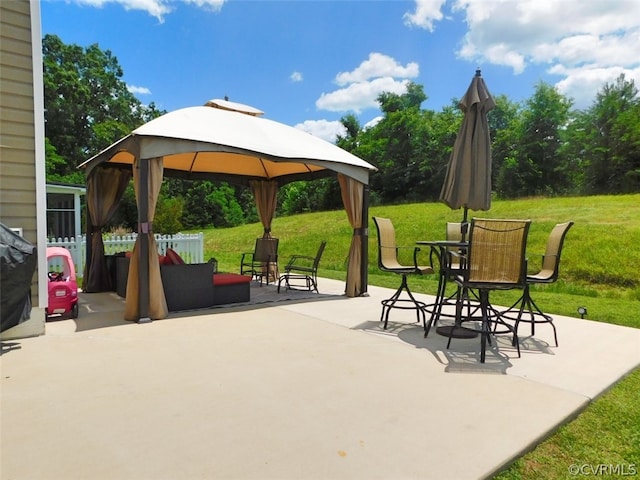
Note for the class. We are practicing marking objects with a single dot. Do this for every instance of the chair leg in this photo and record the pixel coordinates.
(529, 307)
(484, 334)
(459, 295)
(490, 316)
(390, 303)
(497, 318)
(437, 305)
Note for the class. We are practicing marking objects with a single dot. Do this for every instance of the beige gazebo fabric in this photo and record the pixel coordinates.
(265, 193)
(352, 197)
(104, 191)
(157, 307)
(205, 141)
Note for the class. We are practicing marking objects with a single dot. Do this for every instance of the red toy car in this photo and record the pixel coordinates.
(63, 287)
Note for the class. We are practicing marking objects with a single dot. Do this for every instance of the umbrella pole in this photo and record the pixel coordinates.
(464, 226)
(457, 330)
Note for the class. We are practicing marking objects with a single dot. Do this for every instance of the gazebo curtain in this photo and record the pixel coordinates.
(352, 196)
(157, 307)
(105, 188)
(265, 193)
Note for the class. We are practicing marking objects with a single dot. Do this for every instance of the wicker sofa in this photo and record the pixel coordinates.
(192, 286)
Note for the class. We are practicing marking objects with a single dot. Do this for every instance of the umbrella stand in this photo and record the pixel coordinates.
(457, 330)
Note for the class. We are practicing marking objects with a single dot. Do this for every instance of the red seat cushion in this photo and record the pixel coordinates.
(230, 279)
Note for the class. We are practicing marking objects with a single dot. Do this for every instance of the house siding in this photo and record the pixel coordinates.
(22, 143)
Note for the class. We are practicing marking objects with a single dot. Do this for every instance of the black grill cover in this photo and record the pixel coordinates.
(18, 259)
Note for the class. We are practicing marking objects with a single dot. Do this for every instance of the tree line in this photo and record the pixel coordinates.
(540, 147)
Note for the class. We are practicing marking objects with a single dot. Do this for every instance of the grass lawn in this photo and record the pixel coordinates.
(599, 271)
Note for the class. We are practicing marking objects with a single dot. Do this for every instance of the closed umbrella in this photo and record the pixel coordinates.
(467, 183)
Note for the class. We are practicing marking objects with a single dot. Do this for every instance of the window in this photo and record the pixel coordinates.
(60, 215)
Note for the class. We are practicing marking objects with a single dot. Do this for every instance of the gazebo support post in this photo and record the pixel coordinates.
(88, 247)
(364, 260)
(143, 232)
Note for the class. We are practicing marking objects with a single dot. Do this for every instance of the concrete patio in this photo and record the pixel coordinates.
(309, 390)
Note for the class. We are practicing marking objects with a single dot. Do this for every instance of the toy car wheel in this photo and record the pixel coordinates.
(75, 311)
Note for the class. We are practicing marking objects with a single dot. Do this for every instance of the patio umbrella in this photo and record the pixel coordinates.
(467, 183)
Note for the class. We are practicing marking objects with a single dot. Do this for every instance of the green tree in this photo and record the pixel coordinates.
(397, 145)
(207, 204)
(350, 140)
(309, 196)
(168, 214)
(226, 209)
(56, 165)
(87, 104)
(504, 121)
(441, 129)
(536, 165)
(612, 136)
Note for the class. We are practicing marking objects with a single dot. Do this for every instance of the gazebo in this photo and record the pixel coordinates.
(223, 141)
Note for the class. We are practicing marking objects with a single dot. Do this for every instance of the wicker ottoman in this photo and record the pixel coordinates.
(230, 288)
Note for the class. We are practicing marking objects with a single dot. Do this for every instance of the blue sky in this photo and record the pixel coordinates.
(307, 63)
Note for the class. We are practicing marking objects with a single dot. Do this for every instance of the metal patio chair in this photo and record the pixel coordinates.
(388, 261)
(262, 263)
(302, 270)
(495, 261)
(528, 310)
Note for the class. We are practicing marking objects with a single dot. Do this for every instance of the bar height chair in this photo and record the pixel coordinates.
(495, 261)
(528, 310)
(388, 262)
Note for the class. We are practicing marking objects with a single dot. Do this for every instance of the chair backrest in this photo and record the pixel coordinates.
(454, 231)
(387, 247)
(316, 261)
(266, 250)
(551, 258)
(497, 251)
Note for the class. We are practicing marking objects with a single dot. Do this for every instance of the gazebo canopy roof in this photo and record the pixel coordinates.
(230, 141)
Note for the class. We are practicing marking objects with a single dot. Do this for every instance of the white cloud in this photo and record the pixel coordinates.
(373, 122)
(361, 87)
(361, 95)
(214, 5)
(583, 83)
(155, 8)
(296, 77)
(325, 129)
(378, 65)
(138, 90)
(587, 43)
(427, 12)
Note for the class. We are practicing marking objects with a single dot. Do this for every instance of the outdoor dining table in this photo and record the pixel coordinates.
(441, 249)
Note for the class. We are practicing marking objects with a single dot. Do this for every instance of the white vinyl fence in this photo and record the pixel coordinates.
(190, 246)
